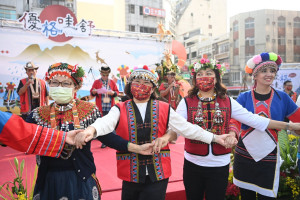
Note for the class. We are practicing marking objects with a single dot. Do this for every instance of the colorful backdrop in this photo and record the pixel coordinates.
(19, 46)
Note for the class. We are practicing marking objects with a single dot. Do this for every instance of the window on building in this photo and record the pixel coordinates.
(281, 40)
(210, 34)
(144, 29)
(188, 56)
(141, 10)
(8, 14)
(236, 44)
(190, 43)
(131, 8)
(236, 77)
(236, 61)
(153, 30)
(235, 27)
(268, 21)
(297, 22)
(249, 23)
(194, 54)
(297, 40)
(210, 26)
(281, 22)
(297, 58)
(249, 41)
(132, 28)
(223, 48)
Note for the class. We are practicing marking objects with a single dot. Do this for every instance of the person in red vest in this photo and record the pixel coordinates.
(105, 90)
(169, 91)
(288, 88)
(32, 91)
(142, 119)
(72, 175)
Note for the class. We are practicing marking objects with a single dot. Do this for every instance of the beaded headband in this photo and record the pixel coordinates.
(263, 60)
(144, 73)
(76, 73)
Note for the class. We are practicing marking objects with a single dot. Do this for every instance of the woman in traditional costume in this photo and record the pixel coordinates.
(72, 175)
(257, 156)
(140, 120)
(206, 166)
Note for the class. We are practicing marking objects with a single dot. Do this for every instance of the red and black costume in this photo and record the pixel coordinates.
(132, 167)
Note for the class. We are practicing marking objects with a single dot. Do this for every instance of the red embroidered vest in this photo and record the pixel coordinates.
(128, 164)
(208, 110)
(25, 99)
(262, 108)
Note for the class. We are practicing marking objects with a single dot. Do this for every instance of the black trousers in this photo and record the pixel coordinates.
(211, 181)
(251, 195)
(145, 191)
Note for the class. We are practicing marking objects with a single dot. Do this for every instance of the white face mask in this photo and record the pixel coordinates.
(61, 95)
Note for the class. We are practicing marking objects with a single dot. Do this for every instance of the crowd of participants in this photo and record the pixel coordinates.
(141, 126)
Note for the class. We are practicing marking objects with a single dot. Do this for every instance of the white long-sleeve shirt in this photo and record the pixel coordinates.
(177, 123)
(239, 113)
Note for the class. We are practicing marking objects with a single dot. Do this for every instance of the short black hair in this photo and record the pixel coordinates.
(285, 82)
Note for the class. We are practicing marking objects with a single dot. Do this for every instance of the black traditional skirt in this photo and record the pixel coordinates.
(262, 176)
(66, 185)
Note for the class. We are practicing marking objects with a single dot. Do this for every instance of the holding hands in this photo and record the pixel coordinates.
(294, 127)
(79, 138)
(226, 140)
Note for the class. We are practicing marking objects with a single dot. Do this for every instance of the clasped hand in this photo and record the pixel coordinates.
(79, 138)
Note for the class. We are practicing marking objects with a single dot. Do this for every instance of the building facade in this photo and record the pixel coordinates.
(144, 16)
(14, 9)
(198, 23)
(260, 31)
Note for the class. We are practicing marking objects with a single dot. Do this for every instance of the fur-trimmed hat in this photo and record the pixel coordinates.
(144, 73)
(30, 65)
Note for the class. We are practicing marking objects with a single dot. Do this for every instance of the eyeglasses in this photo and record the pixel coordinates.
(56, 83)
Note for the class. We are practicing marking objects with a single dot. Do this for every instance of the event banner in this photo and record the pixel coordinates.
(20, 46)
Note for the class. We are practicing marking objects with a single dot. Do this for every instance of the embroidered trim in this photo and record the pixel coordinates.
(87, 113)
(154, 130)
(134, 167)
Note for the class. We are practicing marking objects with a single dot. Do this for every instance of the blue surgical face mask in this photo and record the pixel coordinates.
(61, 95)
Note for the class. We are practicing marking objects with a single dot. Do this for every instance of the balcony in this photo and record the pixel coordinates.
(221, 56)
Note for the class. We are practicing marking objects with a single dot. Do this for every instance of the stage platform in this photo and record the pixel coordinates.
(105, 160)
